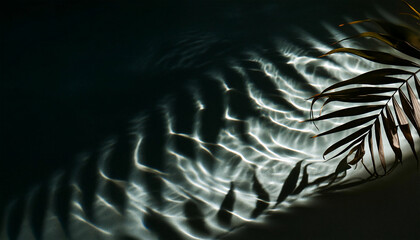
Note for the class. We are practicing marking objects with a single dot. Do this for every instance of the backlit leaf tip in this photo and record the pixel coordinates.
(354, 22)
(411, 15)
(412, 8)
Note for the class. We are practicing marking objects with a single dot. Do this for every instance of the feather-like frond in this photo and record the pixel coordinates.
(374, 95)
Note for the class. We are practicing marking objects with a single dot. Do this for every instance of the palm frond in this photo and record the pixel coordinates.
(374, 95)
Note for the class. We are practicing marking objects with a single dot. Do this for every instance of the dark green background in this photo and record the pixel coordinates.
(73, 73)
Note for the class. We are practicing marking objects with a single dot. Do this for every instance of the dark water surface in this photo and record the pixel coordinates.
(75, 73)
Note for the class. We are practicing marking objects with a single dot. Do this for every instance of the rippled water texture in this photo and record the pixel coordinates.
(210, 101)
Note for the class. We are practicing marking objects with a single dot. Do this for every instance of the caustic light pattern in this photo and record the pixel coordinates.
(226, 149)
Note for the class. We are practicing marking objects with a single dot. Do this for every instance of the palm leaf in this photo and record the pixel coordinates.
(372, 77)
(395, 35)
(412, 15)
(349, 125)
(372, 155)
(375, 56)
(380, 144)
(391, 133)
(357, 99)
(376, 98)
(353, 111)
(412, 8)
(403, 124)
(398, 44)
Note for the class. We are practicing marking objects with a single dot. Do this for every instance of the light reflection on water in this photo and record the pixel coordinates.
(276, 140)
